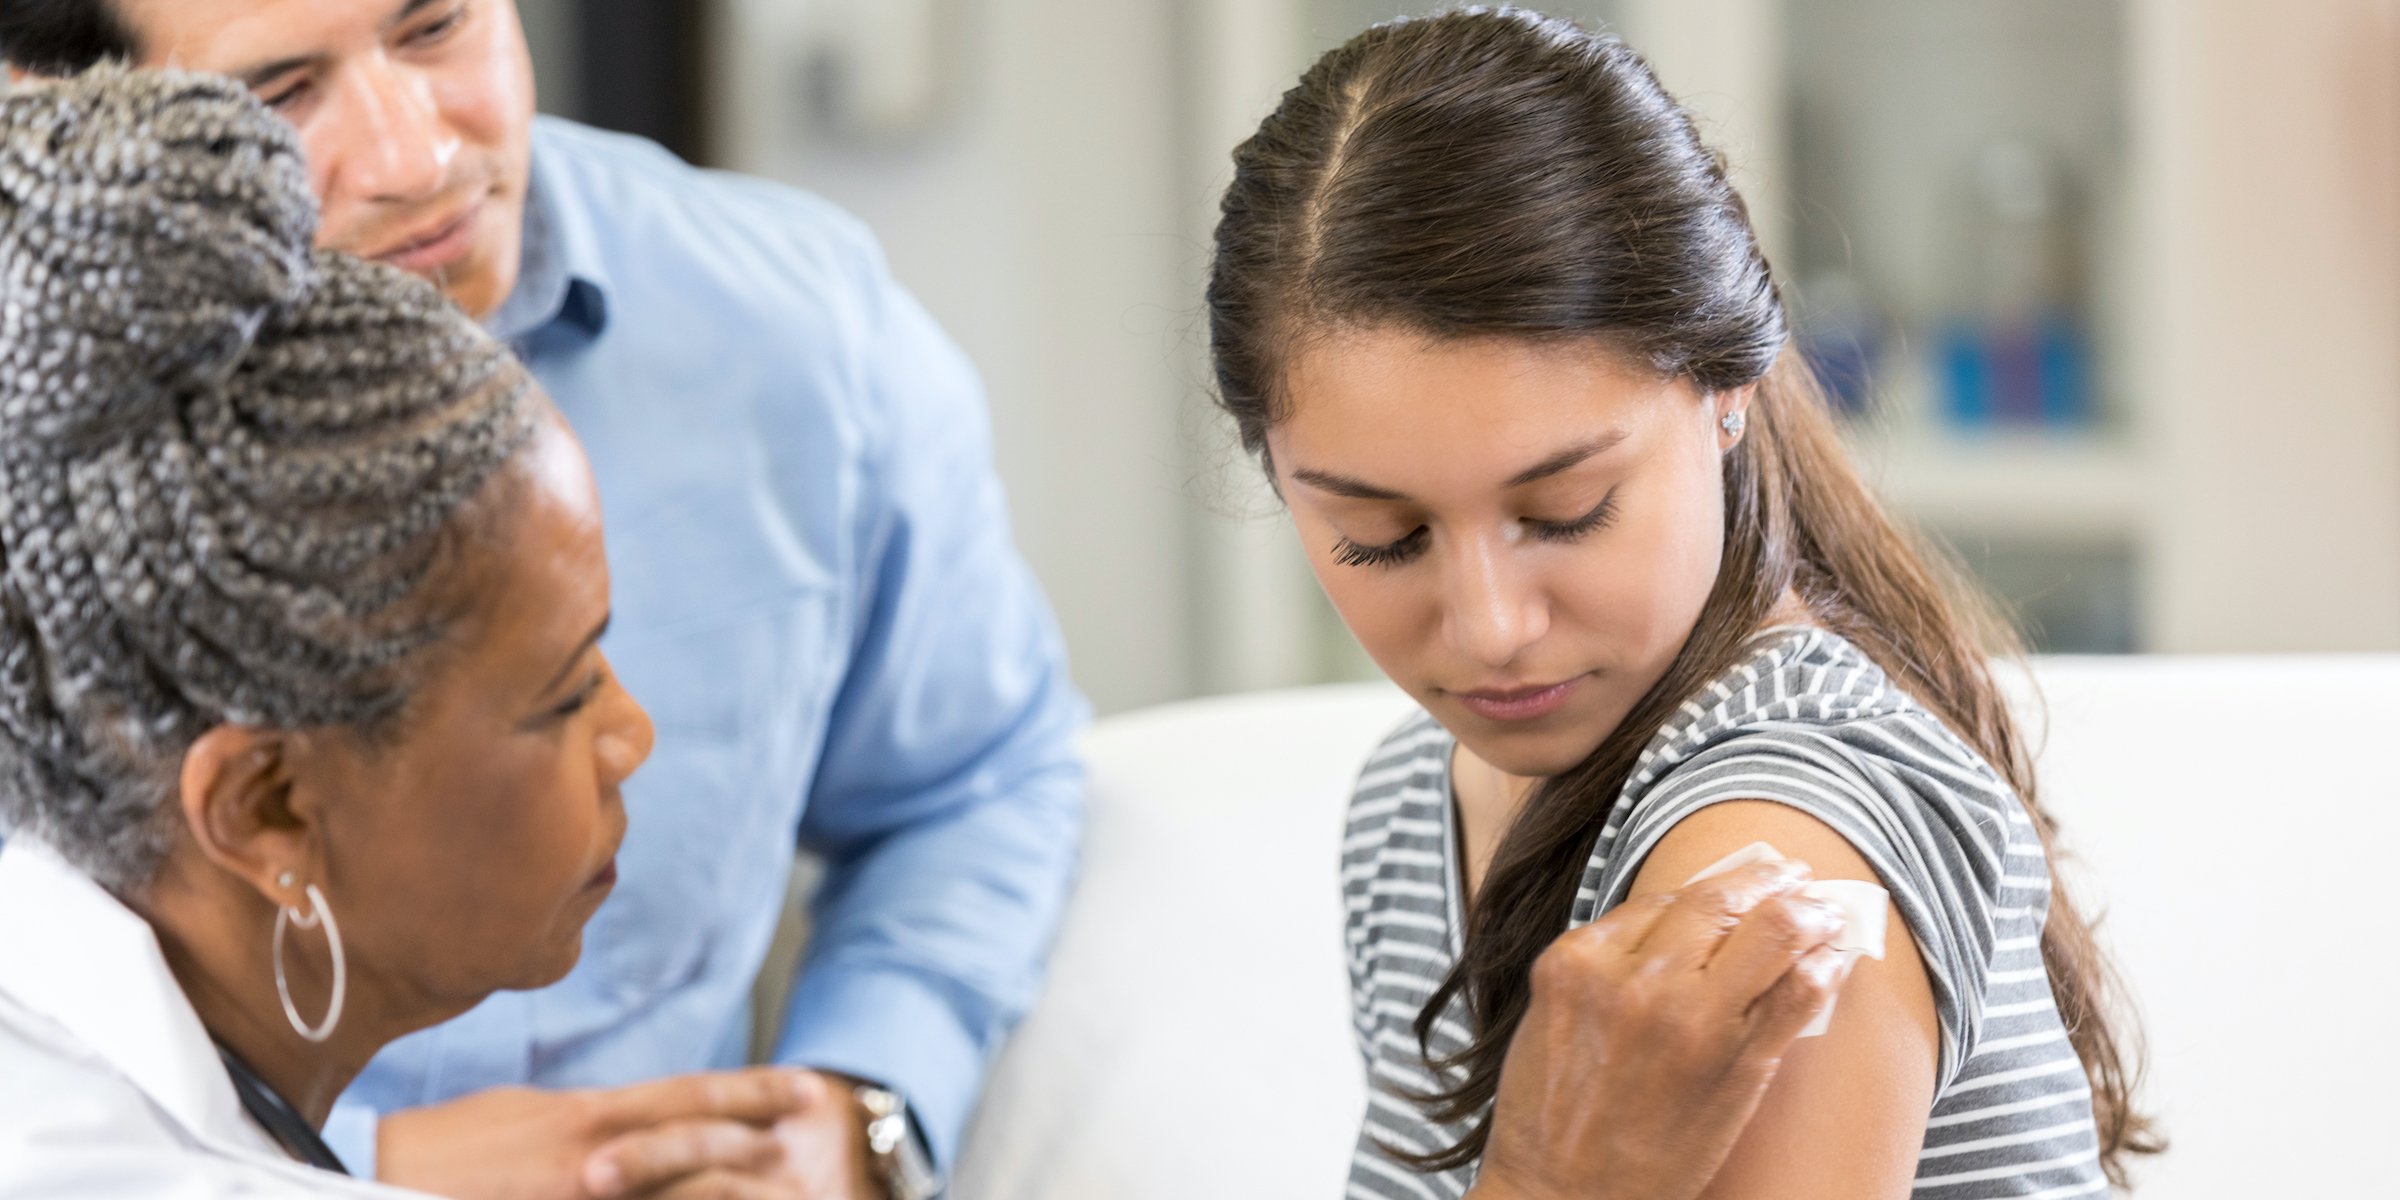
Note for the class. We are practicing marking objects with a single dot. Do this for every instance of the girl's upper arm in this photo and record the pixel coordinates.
(1845, 1116)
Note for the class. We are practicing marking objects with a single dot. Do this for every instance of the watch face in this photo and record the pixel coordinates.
(900, 1162)
(884, 1134)
(880, 1102)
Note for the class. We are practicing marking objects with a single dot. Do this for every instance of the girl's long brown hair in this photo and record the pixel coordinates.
(1497, 173)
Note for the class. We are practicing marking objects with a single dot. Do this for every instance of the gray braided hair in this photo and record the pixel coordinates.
(229, 463)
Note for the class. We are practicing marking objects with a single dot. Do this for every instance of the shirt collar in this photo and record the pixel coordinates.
(560, 276)
(93, 966)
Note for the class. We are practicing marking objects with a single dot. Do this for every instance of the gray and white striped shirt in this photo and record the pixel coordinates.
(1805, 720)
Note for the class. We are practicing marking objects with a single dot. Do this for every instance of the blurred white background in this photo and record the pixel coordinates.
(2113, 285)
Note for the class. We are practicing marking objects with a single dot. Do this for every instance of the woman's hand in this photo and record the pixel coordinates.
(1652, 1034)
(820, 1154)
(530, 1144)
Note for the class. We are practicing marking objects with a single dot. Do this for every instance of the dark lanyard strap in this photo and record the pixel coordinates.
(277, 1118)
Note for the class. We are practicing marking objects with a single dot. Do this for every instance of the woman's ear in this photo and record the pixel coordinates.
(237, 793)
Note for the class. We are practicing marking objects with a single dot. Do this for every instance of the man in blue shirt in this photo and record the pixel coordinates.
(816, 597)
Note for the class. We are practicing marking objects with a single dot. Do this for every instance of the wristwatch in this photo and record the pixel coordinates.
(894, 1154)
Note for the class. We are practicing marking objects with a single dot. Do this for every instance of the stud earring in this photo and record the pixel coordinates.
(1734, 422)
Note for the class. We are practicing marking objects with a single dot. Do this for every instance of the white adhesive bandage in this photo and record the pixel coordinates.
(1863, 906)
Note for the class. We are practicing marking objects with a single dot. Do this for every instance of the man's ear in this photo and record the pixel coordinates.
(236, 790)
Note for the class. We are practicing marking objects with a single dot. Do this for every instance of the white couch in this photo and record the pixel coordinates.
(2237, 818)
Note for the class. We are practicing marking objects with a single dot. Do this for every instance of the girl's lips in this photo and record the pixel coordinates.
(1521, 705)
(607, 877)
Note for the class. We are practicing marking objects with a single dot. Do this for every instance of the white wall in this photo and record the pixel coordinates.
(1040, 217)
(1262, 622)
(2271, 192)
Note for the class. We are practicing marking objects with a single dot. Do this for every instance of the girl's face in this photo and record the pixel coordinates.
(1520, 533)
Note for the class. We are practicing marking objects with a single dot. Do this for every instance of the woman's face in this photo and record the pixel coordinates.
(1521, 534)
(465, 853)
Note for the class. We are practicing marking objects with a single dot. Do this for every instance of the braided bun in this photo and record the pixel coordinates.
(149, 221)
(226, 459)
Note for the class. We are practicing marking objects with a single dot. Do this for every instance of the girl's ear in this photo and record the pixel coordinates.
(236, 791)
(1731, 412)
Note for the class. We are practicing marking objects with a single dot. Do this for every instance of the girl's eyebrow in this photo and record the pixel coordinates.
(1359, 489)
(1343, 485)
(1566, 458)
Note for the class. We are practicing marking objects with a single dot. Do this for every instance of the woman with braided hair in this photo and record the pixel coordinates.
(305, 740)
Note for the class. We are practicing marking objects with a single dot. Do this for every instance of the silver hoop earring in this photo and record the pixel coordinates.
(319, 913)
(1734, 422)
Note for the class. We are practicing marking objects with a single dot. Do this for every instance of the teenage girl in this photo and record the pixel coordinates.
(1501, 335)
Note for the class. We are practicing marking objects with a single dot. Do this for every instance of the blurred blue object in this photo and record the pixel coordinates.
(2018, 375)
(1966, 375)
(2065, 355)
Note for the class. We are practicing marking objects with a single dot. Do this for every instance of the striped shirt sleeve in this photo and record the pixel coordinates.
(1932, 825)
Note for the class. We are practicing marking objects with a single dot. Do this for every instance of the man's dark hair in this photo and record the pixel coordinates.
(61, 37)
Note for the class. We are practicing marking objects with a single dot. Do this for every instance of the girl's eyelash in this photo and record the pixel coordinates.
(1600, 517)
(1351, 554)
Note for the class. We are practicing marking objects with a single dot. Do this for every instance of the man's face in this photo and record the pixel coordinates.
(415, 116)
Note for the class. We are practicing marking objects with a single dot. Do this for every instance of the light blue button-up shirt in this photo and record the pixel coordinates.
(818, 600)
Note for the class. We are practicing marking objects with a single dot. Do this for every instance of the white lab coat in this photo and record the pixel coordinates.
(109, 1087)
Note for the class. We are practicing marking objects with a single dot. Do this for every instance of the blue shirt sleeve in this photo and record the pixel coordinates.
(349, 1132)
(948, 801)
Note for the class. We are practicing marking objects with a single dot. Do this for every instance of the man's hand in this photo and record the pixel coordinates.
(526, 1144)
(819, 1152)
